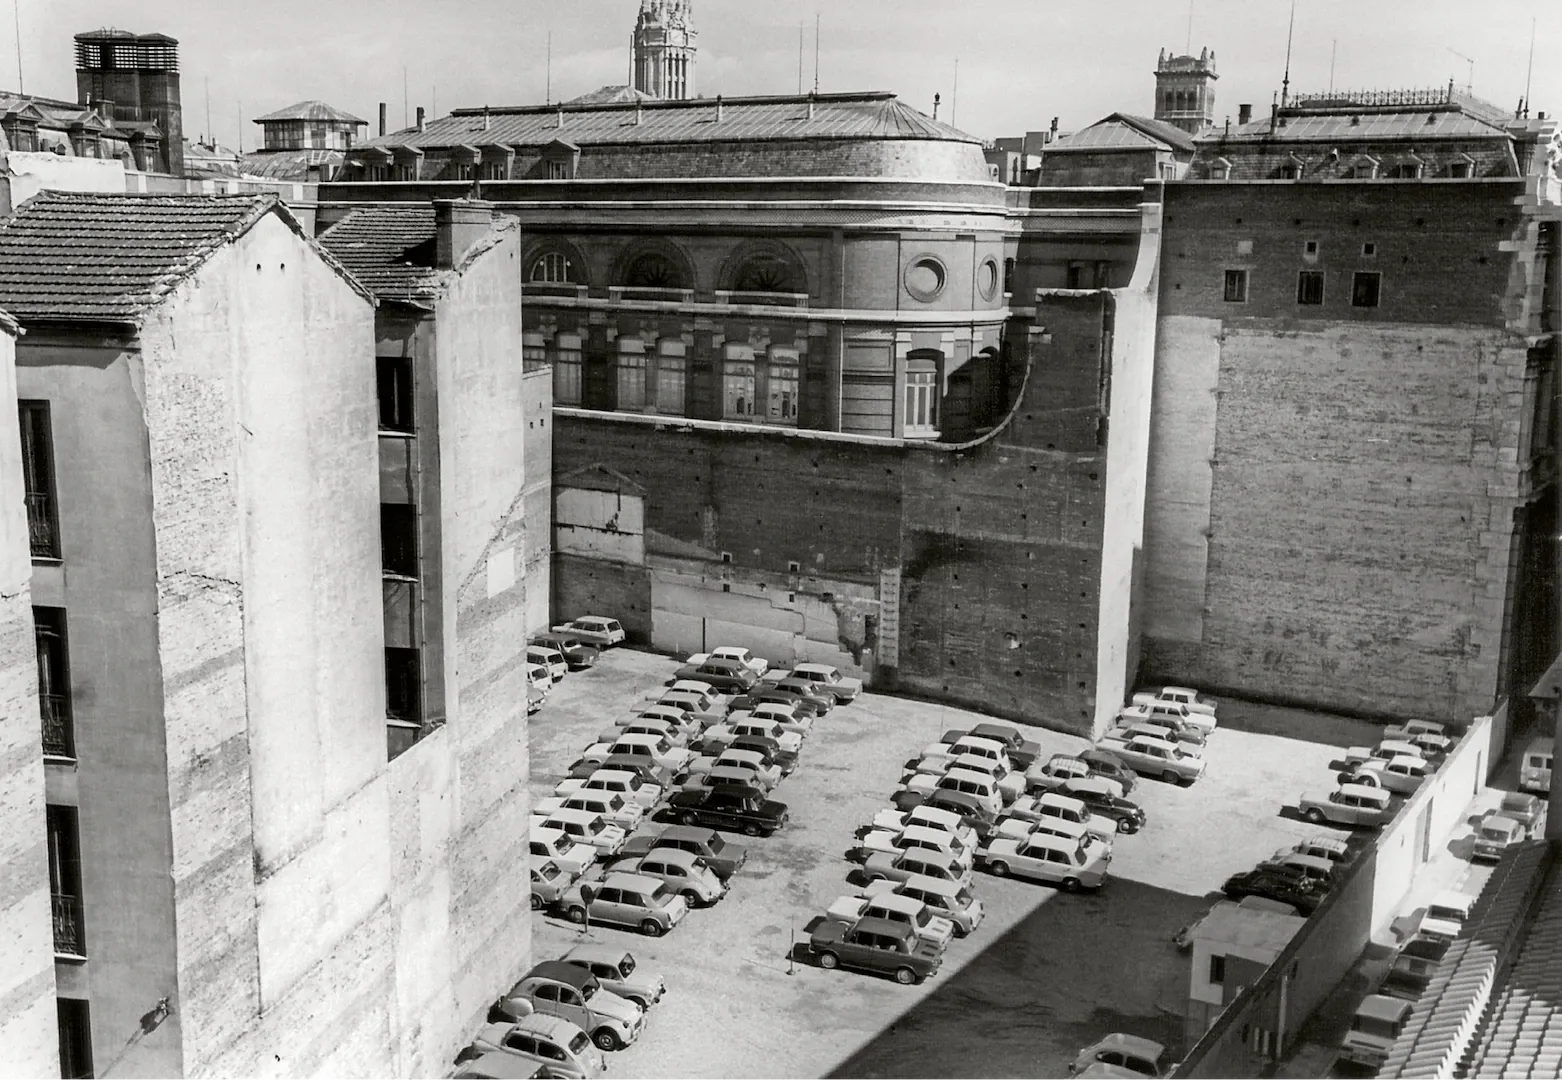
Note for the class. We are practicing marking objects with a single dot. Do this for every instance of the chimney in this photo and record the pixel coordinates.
(637, 111)
(382, 118)
(1274, 116)
(420, 118)
(1054, 128)
(561, 116)
(486, 122)
(936, 99)
(1244, 114)
(106, 110)
(458, 225)
(718, 108)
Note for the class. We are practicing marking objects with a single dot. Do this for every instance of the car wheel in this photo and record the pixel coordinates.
(1171, 777)
(829, 961)
(689, 817)
(750, 829)
(644, 1003)
(999, 869)
(693, 898)
(577, 914)
(1071, 884)
(1315, 816)
(651, 928)
(905, 976)
(1124, 826)
(606, 1039)
(536, 902)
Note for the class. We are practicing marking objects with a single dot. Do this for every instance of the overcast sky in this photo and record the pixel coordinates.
(1020, 62)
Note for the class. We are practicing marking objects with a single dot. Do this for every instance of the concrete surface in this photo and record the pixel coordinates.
(1044, 975)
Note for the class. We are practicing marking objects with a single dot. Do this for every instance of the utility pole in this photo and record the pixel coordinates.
(816, 52)
(1469, 86)
(211, 137)
(16, 12)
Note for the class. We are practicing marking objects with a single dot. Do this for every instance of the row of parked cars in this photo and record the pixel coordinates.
(572, 646)
(1374, 776)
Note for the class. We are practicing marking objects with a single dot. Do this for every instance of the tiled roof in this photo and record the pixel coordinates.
(1170, 134)
(311, 110)
(290, 164)
(1522, 1032)
(1363, 123)
(1121, 131)
(106, 258)
(388, 248)
(608, 95)
(835, 116)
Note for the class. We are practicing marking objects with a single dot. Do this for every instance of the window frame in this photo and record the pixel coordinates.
(52, 645)
(783, 368)
(630, 375)
(556, 269)
(920, 397)
(739, 384)
(1217, 969)
(670, 378)
(569, 367)
(395, 389)
(1361, 296)
(39, 480)
(1235, 277)
(1309, 288)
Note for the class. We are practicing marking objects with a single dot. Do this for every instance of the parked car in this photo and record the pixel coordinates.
(1011, 784)
(1401, 775)
(1022, 752)
(572, 993)
(975, 812)
(1528, 810)
(735, 653)
(884, 903)
(875, 945)
(535, 699)
(588, 827)
(1129, 817)
(1374, 1029)
(627, 900)
(725, 857)
(551, 843)
(549, 881)
(747, 724)
(1172, 762)
(949, 899)
(979, 785)
(1303, 894)
(1022, 829)
(609, 805)
(899, 867)
(1535, 766)
(828, 679)
(598, 757)
(789, 718)
(1169, 710)
(682, 719)
(727, 676)
(539, 677)
(703, 704)
(1044, 857)
(1141, 1057)
(685, 871)
(973, 745)
(1105, 763)
(919, 838)
(1355, 805)
(1414, 966)
(616, 970)
(656, 747)
(1332, 848)
(931, 817)
(705, 773)
(549, 1041)
(1055, 804)
(1446, 914)
(1320, 871)
(1387, 749)
(1061, 768)
(549, 658)
(1496, 834)
(729, 806)
(498, 1065)
(593, 629)
(1160, 727)
(786, 760)
(1187, 697)
(627, 785)
(577, 654)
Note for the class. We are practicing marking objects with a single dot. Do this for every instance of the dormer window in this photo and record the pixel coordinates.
(1220, 169)
(1363, 167)
(1408, 167)
(560, 159)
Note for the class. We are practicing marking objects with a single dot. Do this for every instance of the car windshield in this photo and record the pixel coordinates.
(588, 991)
(662, 896)
(922, 916)
(615, 802)
(593, 826)
(963, 897)
(1494, 832)
(716, 844)
(579, 1042)
(547, 871)
(626, 966)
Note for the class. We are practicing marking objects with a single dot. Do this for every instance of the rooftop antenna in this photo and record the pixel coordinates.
(1333, 50)
(16, 13)
(406, 120)
(1528, 74)
(799, 58)
(954, 91)
(433, 105)
(1188, 48)
(241, 125)
(209, 134)
(1469, 86)
(547, 94)
(1285, 83)
(816, 52)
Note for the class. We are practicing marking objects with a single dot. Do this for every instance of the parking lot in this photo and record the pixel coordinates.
(1045, 974)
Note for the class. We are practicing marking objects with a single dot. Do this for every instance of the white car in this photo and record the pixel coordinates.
(685, 721)
(923, 837)
(974, 745)
(550, 843)
(549, 658)
(610, 805)
(979, 785)
(587, 827)
(1011, 784)
(1054, 804)
(620, 781)
(882, 900)
(735, 653)
(594, 629)
(1167, 710)
(1178, 695)
(540, 677)
(742, 724)
(1411, 728)
(1044, 857)
(765, 776)
(829, 680)
(646, 725)
(785, 716)
(931, 817)
(657, 748)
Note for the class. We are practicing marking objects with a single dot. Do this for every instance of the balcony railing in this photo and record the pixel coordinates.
(43, 535)
(68, 937)
(58, 734)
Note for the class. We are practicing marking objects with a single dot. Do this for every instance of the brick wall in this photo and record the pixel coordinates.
(1343, 538)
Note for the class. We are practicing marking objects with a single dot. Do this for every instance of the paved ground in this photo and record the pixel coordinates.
(1045, 974)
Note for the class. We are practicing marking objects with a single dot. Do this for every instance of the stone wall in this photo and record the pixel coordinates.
(538, 471)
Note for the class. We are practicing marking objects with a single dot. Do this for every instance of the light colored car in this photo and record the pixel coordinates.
(646, 725)
(1052, 774)
(656, 747)
(498, 1065)
(1011, 784)
(931, 817)
(827, 678)
(1172, 762)
(1043, 857)
(1355, 805)
(881, 901)
(550, 843)
(572, 993)
(619, 781)
(550, 1041)
(1446, 914)
(766, 775)
(610, 805)
(1401, 775)
(1160, 727)
(617, 970)
(1185, 696)
(974, 745)
(1332, 848)
(786, 717)
(1387, 749)
(539, 677)
(686, 872)
(648, 903)
(685, 721)
(588, 827)
(743, 724)
(1535, 765)
(549, 658)
(933, 864)
(596, 630)
(948, 899)
(1141, 1057)
(1408, 730)
(920, 837)
(979, 785)
(549, 881)
(735, 653)
(1374, 1029)
(1169, 710)
(1056, 804)
(704, 772)
(1020, 829)
(705, 706)
(1496, 834)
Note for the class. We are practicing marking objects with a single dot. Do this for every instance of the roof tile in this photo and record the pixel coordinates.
(388, 248)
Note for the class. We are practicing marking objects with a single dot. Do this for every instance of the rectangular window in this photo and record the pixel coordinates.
(1366, 288)
(495, 170)
(671, 377)
(737, 390)
(1459, 170)
(781, 388)
(534, 351)
(1217, 970)
(1076, 275)
(399, 540)
(54, 682)
(566, 369)
(65, 881)
(558, 170)
(403, 685)
(1236, 287)
(394, 374)
(631, 374)
(75, 1038)
(921, 405)
(43, 522)
(1309, 287)
(1103, 275)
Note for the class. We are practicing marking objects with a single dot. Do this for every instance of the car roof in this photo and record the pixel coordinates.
(672, 854)
(983, 741)
(1402, 745)
(607, 954)
(897, 902)
(565, 813)
(685, 832)
(736, 774)
(559, 971)
(942, 886)
(1062, 827)
(1453, 898)
(1055, 798)
(1376, 793)
(610, 772)
(936, 813)
(502, 1065)
(960, 772)
(812, 667)
(1383, 1007)
(928, 833)
(1002, 731)
(628, 879)
(1133, 1044)
(555, 1027)
(1052, 840)
(1312, 862)
(885, 926)
(1333, 843)
(1501, 820)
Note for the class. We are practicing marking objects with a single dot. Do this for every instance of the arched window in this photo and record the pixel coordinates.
(553, 267)
(654, 270)
(767, 273)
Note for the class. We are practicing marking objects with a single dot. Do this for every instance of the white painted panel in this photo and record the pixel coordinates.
(599, 525)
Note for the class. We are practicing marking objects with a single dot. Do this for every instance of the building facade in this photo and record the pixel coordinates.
(133, 81)
(664, 49)
(243, 882)
(1185, 90)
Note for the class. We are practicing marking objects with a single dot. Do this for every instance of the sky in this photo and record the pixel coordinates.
(1001, 66)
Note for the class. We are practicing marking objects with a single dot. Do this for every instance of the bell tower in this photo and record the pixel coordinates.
(1185, 90)
(664, 49)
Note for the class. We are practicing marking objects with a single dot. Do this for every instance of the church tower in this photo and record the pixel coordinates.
(1185, 90)
(664, 49)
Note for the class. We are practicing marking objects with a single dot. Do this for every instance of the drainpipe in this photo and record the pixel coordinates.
(1285, 996)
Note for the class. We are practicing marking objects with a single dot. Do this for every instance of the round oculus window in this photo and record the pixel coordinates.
(987, 279)
(925, 278)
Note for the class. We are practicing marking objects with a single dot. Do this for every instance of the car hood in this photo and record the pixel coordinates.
(772, 810)
(619, 1008)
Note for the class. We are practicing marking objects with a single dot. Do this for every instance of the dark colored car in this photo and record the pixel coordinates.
(729, 806)
(643, 767)
(785, 760)
(577, 654)
(723, 856)
(1275, 884)
(1022, 752)
(1107, 764)
(1130, 816)
(808, 691)
(875, 945)
(981, 820)
(727, 676)
(767, 692)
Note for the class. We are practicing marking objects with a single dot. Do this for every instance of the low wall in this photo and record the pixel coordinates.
(1262, 1021)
